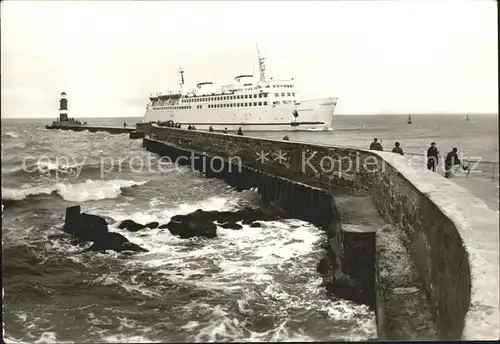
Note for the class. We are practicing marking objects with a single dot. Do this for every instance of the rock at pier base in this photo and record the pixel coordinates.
(201, 223)
(131, 226)
(186, 227)
(86, 227)
(152, 225)
(137, 135)
(115, 242)
(231, 225)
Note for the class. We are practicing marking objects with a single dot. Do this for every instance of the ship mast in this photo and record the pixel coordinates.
(181, 72)
(262, 67)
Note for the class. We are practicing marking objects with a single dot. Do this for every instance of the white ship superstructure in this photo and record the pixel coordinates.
(253, 105)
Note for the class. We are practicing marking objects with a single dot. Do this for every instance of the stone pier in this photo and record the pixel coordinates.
(93, 128)
(431, 267)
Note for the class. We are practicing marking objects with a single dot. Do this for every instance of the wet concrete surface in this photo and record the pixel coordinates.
(403, 311)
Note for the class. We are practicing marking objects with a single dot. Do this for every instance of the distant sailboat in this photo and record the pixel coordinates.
(409, 119)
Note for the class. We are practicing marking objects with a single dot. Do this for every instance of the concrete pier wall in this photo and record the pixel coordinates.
(452, 236)
(92, 129)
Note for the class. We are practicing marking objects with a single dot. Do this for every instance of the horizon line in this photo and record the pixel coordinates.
(340, 114)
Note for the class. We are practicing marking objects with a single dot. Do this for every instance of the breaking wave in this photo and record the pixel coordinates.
(80, 192)
(12, 134)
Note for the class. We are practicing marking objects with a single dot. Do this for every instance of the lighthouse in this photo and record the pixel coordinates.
(63, 108)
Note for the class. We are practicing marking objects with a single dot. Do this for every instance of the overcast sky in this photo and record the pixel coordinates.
(375, 56)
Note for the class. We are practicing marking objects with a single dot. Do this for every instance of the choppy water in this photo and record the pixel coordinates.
(475, 138)
(256, 284)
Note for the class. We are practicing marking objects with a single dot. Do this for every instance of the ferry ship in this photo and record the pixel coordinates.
(248, 103)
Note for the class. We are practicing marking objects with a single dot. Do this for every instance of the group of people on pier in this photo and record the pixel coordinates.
(239, 132)
(433, 156)
(71, 120)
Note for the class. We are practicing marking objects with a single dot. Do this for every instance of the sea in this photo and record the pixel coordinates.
(254, 284)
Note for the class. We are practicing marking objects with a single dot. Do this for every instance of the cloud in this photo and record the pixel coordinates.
(375, 56)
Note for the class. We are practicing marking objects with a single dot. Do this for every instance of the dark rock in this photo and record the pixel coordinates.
(72, 215)
(255, 224)
(231, 225)
(131, 226)
(322, 267)
(85, 226)
(136, 135)
(186, 227)
(246, 221)
(163, 226)
(152, 225)
(200, 223)
(347, 288)
(115, 242)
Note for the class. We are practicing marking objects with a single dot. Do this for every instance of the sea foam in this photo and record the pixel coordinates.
(12, 134)
(91, 190)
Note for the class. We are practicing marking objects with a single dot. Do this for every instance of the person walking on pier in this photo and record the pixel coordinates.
(375, 145)
(397, 149)
(432, 157)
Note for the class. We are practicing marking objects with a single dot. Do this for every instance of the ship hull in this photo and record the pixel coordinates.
(315, 114)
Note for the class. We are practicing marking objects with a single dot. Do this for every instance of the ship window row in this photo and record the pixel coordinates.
(277, 102)
(233, 105)
(283, 86)
(288, 94)
(173, 107)
(219, 98)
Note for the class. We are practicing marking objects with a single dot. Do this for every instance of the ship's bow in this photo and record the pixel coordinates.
(317, 113)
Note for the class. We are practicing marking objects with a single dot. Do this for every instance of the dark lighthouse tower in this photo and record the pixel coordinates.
(63, 108)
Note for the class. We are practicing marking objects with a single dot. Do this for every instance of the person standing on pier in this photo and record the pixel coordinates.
(240, 132)
(375, 145)
(450, 161)
(124, 125)
(211, 129)
(397, 149)
(225, 130)
(432, 157)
